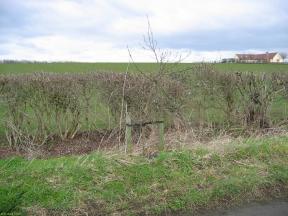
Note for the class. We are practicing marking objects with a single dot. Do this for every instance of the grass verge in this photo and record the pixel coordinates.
(106, 183)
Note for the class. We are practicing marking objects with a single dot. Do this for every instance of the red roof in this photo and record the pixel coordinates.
(256, 57)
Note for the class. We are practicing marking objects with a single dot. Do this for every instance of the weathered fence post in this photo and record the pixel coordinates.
(161, 136)
(128, 134)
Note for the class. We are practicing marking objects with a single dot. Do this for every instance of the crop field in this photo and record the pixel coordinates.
(20, 68)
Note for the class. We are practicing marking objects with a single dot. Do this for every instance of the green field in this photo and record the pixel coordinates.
(19, 68)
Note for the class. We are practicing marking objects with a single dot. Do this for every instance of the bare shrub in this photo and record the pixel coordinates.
(257, 92)
(42, 106)
(59, 99)
(142, 95)
(243, 98)
(208, 91)
(219, 88)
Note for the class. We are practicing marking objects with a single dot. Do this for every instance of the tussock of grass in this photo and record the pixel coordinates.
(130, 185)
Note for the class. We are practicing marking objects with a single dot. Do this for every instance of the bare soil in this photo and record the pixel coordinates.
(145, 142)
(82, 143)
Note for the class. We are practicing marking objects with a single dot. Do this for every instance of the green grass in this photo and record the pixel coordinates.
(102, 183)
(20, 68)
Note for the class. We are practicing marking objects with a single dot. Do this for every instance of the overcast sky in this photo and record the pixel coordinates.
(100, 30)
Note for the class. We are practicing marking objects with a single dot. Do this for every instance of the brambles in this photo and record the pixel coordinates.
(142, 95)
(42, 107)
(256, 94)
(232, 99)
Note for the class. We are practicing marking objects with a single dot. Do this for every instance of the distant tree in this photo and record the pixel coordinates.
(283, 55)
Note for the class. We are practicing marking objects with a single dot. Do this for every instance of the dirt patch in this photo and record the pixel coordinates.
(82, 143)
(8, 152)
(145, 142)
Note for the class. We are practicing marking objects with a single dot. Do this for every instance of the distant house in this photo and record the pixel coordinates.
(228, 60)
(259, 58)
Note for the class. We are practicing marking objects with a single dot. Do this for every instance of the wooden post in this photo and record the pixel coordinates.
(161, 136)
(128, 134)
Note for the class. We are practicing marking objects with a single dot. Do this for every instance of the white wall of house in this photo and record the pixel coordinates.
(277, 59)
